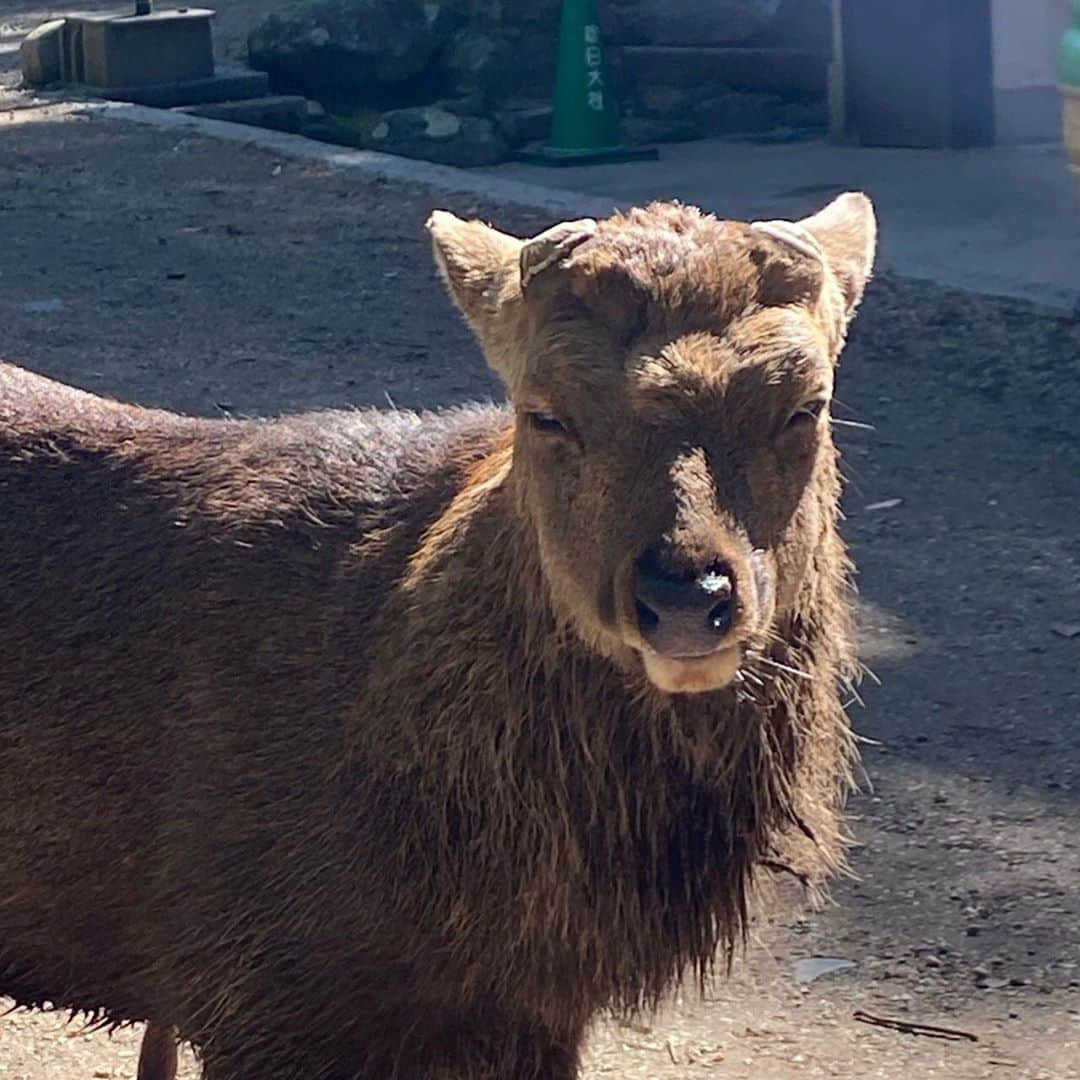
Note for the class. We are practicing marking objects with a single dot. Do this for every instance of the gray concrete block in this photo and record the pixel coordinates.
(40, 54)
(143, 50)
(777, 71)
(708, 22)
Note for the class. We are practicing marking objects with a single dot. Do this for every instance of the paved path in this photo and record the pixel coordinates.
(1004, 220)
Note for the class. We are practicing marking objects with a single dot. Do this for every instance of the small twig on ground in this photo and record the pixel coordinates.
(910, 1027)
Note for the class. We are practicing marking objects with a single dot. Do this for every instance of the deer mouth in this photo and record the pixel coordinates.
(693, 674)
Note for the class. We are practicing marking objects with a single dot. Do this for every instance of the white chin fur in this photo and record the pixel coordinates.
(697, 675)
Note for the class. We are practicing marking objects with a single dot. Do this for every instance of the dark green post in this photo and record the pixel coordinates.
(585, 121)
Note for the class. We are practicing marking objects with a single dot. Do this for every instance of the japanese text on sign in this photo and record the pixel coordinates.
(594, 59)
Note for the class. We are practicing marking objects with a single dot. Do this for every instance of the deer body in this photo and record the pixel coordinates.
(310, 749)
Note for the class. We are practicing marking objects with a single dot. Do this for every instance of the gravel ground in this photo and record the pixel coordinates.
(217, 279)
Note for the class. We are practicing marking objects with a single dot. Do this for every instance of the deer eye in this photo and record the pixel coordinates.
(807, 413)
(546, 423)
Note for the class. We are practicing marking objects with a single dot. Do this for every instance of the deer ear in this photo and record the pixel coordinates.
(846, 231)
(479, 265)
(552, 248)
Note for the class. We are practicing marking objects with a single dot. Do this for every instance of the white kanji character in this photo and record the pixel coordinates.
(593, 56)
(596, 78)
(596, 100)
(592, 34)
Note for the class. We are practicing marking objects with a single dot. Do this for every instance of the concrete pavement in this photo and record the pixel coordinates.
(1003, 221)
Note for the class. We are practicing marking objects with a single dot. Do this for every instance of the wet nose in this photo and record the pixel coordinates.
(683, 614)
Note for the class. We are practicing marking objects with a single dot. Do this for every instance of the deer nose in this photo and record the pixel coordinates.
(683, 615)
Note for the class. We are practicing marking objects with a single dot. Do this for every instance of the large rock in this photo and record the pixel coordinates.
(434, 134)
(346, 52)
(501, 62)
(477, 60)
(524, 121)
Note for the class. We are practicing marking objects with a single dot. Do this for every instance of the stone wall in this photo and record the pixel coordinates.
(464, 81)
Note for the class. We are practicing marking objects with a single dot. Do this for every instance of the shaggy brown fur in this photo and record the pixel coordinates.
(333, 741)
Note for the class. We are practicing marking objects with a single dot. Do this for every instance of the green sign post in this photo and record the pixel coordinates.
(585, 121)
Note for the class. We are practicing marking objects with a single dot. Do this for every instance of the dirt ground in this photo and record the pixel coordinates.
(217, 279)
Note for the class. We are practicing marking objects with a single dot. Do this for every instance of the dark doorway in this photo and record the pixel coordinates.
(919, 73)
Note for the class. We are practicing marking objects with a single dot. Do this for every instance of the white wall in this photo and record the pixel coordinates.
(1027, 37)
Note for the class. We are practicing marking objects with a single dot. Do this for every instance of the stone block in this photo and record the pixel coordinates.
(738, 114)
(708, 22)
(666, 102)
(222, 86)
(777, 71)
(41, 54)
(140, 50)
(646, 130)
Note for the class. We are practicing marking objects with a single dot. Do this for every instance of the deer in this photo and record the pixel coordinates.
(388, 744)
